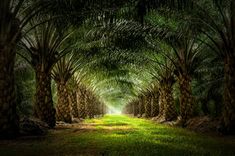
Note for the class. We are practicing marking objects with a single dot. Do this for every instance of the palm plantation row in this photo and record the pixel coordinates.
(163, 58)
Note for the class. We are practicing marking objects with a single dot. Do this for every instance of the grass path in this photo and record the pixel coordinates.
(119, 135)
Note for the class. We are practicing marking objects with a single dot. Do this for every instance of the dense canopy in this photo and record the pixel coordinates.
(167, 59)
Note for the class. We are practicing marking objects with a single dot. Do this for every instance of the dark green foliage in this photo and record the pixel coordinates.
(25, 87)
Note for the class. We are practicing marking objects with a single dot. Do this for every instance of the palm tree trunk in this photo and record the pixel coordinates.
(9, 120)
(44, 108)
(229, 84)
(148, 103)
(141, 106)
(128, 108)
(186, 99)
(103, 109)
(74, 104)
(229, 96)
(89, 105)
(81, 103)
(63, 108)
(135, 108)
(169, 107)
(96, 107)
(155, 106)
(167, 110)
(86, 101)
(162, 102)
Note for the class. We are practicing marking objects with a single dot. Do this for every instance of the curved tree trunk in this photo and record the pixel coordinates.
(63, 108)
(73, 104)
(229, 96)
(44, 108)
(186, 99)
(9, 120)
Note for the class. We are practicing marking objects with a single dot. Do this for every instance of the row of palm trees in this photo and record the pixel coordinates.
(37, 32)
(41, 34)
(207, 27)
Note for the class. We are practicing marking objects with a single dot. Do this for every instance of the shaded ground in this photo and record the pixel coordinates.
(119, 135)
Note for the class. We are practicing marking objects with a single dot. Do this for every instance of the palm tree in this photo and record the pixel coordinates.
(209, 84)
(14, 15)
(42, 49)
(131, 107)
(186, 59)
(183, 52)
(81, 95)
(61, 73)
(90, 104)
(148, 103)
(155, 106)
(162, 70)
(217, 24)
(72, 87)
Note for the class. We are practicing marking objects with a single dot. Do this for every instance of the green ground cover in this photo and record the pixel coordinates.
(120, 135)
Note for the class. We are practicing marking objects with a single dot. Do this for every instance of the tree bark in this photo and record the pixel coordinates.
(170, 110)
(63, 109)
(135, 108)
(9, 120)
(155, 106)
(81, 102)
(44, 108)
(167, 110)
(9, 32)
(89, 104)
(186, 99)
(148, 104)
(161, 104)
(73, 103)
(229, 96)
(103, 107)
(141, 106)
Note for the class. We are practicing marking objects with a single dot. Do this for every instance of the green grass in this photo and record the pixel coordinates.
(120, 135)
